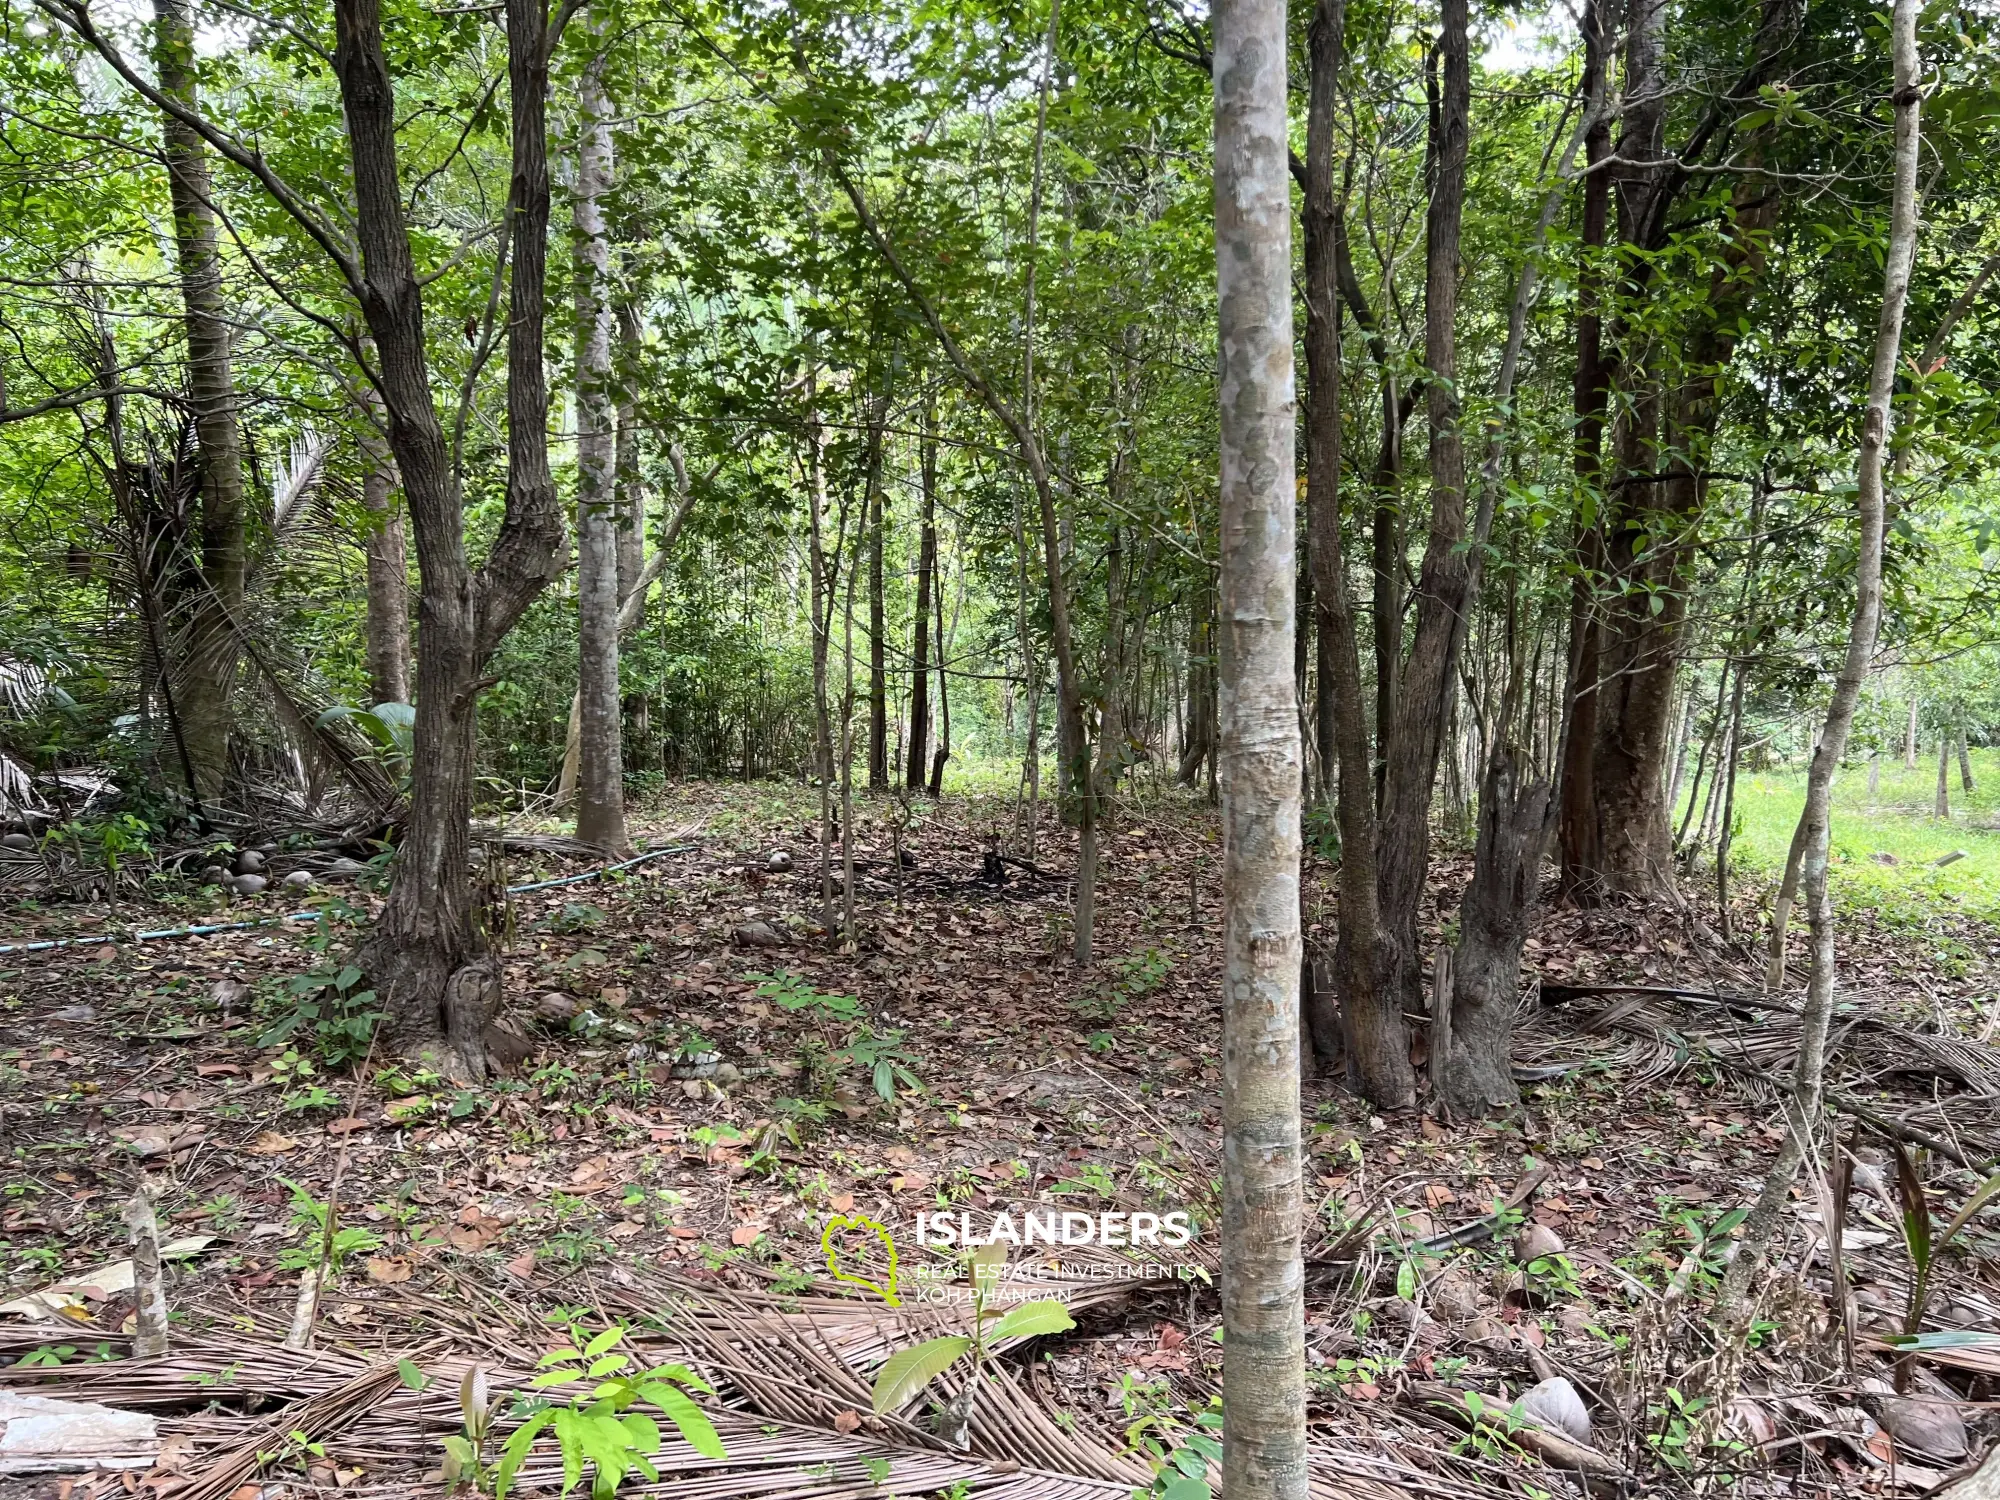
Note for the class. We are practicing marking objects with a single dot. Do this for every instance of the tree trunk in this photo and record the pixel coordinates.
(1474, 1070)
(1425, 695)
(1808, 1072)
(1910, 737)
(208, 665)
(943, 752)
(388, 626)
(1198, 725)
(821, 604)
(917, 764)
(420, 956)
(1263, 1305)
(1727, 834)
(1942, 809)
(1965, 783)
(600, 800)
(631, 482)
(878, 676)
(1375, 1043)
(1577, 822)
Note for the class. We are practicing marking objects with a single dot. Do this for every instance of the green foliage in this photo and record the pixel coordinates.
(327, 1005)
(908, 1371)
(605, 1428)
(1128, 978)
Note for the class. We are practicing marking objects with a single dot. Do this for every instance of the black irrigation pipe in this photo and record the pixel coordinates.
(207, 928)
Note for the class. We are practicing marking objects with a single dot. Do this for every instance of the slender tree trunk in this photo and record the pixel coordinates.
(1263, 1304)
(388, 625)
(631, 483)
(1726, 836)
(821, 604)
(878, 676)
(1369, 1033)
(1965, 782)
(917, 765)
(942, 754)
(1577, 823)
(420, 955)
(1808, 1071)
(1910, 737)
(1874, 776)
(1425, 696)
(208, 666)
(600, 800)
(847, 934)
(1198, 725)
(1943, 807)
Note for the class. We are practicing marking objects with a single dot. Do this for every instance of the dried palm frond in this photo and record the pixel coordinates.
(298, 476)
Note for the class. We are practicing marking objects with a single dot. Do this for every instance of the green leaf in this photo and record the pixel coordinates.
(599, 1368)
(1191, 1463)
(1184, 1488)
(908, 1371)
(1944, 1338)
(1029, 1319)
(692, 1421)
(412, 1377)
(1406, 1281)
(515, 1453)
(1981, 1196)
(602, 1342)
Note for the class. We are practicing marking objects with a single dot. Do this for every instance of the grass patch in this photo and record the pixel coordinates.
(1884, 844)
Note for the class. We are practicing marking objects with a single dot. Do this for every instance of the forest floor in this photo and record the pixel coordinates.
(699, 1094)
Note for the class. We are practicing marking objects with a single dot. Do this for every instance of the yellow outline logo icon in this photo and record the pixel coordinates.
(857, 1221)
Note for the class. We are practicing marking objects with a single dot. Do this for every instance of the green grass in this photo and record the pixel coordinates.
(1897, 822)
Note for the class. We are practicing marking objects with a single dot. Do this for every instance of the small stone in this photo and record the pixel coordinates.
(299, 880)
(1535, 1242)
(778, 862)
(19, 841)
(758, 934)
(76, 1015)
(1933, 1428)
(249, 862)
(1488, 1333)
(1577, 1322)
(214, 875)
(345, 869)
(1452, 1297)
(728, 1072)
(1554, 1404)
(248, 885)
(554, 1005)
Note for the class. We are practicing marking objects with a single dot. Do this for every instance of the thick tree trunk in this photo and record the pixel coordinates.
(1802, 1121)
(600, 792)
(1263, 1304)
(1474, 1070)
(878, 675)
(428, 932)
(1425, 695)
(388, 625)
(917, 762)
(208, 660)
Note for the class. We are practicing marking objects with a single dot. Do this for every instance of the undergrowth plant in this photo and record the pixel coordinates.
(606, 1428)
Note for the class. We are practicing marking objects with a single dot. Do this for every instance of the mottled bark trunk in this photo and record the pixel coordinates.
(600, 790)
(208, 659)
(1263, 1311)
(1942, 807)
(1965, 781)
(1808, 1071)
(387, 554)
(917, 762)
